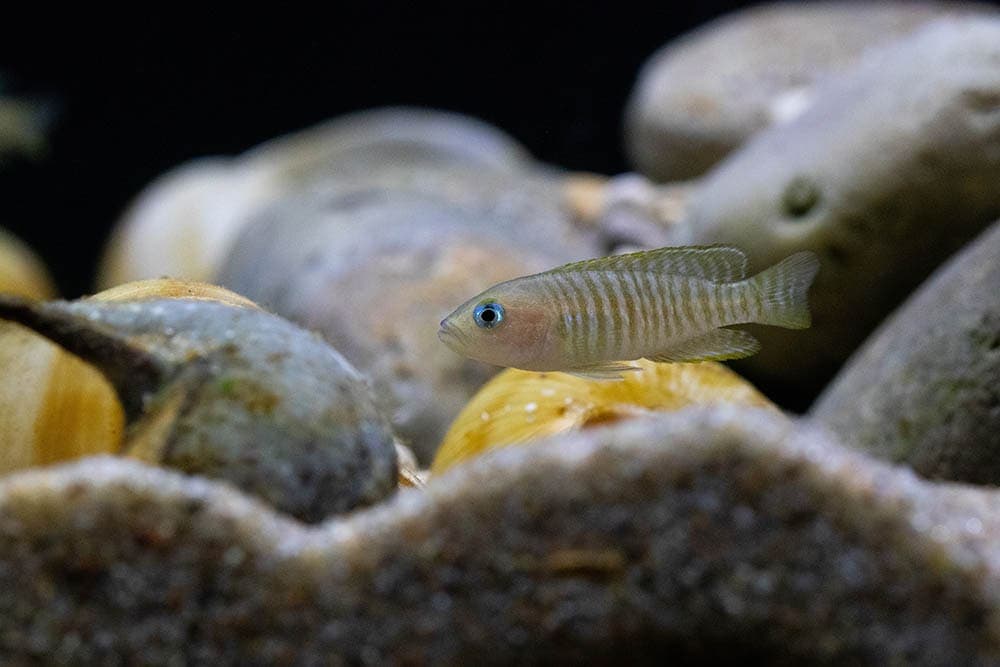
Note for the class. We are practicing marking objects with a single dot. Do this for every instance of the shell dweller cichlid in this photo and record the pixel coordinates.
(668, 304)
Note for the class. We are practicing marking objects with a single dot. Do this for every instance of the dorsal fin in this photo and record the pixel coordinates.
(718, 263)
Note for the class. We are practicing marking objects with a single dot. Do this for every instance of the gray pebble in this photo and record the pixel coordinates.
(374, 264)
(889, 173)
(184, 222)
(925, 388)
(703, 95)
(400, 136)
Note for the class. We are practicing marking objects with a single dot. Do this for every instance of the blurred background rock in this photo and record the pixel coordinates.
(878, 151)
(131, 104)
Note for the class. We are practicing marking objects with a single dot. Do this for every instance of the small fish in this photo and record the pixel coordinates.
(668, 304)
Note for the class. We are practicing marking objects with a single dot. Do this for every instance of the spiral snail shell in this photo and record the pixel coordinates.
(53, 405)
(209, 385)
(517, 406)
(21, 272)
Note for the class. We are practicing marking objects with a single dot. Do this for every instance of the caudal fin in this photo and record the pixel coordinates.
(783, 290)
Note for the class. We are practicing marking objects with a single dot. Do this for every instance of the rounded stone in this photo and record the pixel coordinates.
(925, 388)
(183, 223)
(402, 136)
(703, 95)
(375, 265)
(889, 173)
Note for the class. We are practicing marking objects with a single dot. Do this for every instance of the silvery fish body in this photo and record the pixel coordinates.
(669, 304)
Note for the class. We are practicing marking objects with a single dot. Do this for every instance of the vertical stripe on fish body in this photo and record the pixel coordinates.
(669, 305)
(633, 314)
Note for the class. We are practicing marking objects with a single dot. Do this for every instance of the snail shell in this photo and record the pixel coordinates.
(53, 406)
(517, 406)
(410, 473)
(231, 392)
(56, 407)
(170, 288)
(21, 272)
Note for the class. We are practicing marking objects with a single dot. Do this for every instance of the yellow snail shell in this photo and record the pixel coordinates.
(170, 288)
(53, 406)
(517, 406)
(21, 272)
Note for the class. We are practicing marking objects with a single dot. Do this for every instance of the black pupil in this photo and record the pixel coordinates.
(488, 315)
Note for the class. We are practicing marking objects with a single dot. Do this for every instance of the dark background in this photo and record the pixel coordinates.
(133, 102)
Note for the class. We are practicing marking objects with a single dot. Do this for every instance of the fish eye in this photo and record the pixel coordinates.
(488, 315)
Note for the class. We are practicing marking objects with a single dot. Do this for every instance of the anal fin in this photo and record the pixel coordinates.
(602, 371)
(716, 345)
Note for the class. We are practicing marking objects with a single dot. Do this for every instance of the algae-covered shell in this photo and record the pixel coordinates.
(21, 272)
(56, 407)
(233, 393)
(517, 406)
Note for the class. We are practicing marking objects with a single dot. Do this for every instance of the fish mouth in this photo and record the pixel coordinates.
(449, 335)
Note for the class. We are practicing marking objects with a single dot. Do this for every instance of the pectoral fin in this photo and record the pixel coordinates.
(603, 371)
(716, 345)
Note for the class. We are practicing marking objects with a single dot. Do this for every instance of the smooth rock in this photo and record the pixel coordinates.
(400, 136)
(703, 95)
(889, 173)
(925, 388)
(184, 222)
(701, 536)
(634, 213)
(375, 265)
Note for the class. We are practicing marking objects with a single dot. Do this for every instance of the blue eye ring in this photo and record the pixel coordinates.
(488, 315)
